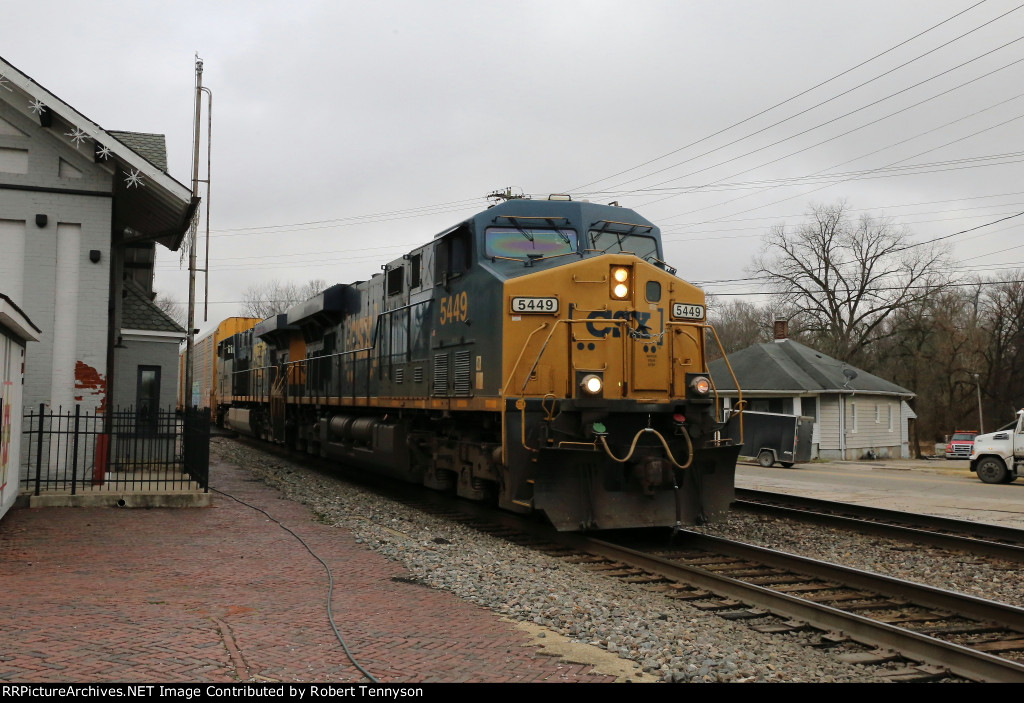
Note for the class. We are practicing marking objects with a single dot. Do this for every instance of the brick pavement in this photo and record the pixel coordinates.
(222, 594)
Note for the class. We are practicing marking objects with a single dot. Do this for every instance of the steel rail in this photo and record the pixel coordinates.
(958, 659)
(977, 538)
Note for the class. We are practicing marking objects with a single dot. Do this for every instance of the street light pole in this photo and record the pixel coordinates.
(981, 420)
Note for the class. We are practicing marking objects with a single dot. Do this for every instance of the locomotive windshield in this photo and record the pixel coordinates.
(522, 243)
(614, 242)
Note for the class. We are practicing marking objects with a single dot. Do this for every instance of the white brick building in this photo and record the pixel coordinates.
(15, 330)
(81, 210)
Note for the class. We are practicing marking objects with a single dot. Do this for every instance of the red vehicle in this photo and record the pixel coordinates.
(960, 444)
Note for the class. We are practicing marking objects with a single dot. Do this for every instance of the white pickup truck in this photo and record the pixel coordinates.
(998, 457)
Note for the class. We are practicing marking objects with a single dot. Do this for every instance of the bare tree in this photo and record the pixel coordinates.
(738, 324)
(274, 297)
(176, 311)
(1002, 379)
(842, 279)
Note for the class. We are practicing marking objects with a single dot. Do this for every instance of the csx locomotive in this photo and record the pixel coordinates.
(540, 354)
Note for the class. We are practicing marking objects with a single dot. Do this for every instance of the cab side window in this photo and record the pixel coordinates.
(452, 255)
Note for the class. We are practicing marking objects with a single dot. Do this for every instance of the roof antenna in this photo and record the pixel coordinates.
(499, 195)
(850, 375)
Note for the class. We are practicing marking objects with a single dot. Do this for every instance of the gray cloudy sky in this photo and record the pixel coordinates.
(381, 123)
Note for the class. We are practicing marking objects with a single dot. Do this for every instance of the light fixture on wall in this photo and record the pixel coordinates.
(94, 255)
(41, 220)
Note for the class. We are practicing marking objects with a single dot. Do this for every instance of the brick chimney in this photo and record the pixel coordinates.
(781, 330)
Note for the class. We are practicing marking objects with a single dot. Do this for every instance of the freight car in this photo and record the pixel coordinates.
(204, 382)
(540, 354)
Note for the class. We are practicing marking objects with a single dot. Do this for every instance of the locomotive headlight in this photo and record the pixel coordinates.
(700, 385)
(592, 384)
(620, 282)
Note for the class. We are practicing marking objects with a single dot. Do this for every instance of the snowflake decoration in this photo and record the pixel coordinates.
(4, 82)
(103, 152)
(37, 106)
(77, 136)
(134, 180)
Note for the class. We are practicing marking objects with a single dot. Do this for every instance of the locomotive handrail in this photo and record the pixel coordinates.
(739, 391)
(544, 346)
(512, 374)
(326, 356)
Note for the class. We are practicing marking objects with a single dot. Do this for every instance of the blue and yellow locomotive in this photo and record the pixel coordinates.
(540, 354)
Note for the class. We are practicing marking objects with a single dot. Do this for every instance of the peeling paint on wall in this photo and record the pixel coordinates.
(90, 383)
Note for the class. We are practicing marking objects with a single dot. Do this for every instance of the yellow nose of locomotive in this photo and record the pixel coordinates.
(627, 328)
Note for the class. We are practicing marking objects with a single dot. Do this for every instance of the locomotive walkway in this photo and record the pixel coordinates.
(222, 594)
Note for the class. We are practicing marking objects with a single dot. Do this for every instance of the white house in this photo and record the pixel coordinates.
(856, 414)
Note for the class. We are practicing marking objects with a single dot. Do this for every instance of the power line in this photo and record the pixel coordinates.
(784, 102)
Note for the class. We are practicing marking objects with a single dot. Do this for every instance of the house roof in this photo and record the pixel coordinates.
(790, 367)
(148, 203)
(140, 313)
(14, 318)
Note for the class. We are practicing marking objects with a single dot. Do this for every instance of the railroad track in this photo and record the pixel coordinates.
(973, 537)
(942, 633)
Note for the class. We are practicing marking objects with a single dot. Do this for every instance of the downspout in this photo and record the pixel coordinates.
(842, 427)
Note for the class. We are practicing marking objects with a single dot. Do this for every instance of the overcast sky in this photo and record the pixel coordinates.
(382, 123)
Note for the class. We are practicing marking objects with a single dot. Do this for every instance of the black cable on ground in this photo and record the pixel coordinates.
(330, 581)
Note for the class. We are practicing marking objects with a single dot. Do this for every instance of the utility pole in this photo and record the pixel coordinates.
(981, 420)
(193, 235)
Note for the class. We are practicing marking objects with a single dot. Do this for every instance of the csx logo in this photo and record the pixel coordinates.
(640, 328)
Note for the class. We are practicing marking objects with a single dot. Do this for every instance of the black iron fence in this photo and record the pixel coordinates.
(123, 450)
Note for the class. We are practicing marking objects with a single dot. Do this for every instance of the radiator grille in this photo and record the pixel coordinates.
(441, 374)
(462, 372)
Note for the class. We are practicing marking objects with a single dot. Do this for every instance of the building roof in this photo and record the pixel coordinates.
(148, 203)
(790, 367)
(14, 319)
(151, 147)
(140, 313)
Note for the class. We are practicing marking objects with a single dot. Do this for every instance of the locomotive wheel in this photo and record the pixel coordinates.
(992, 471)
(765, 458)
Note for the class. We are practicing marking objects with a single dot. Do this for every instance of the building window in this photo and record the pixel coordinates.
(878, 414)
(890, 417)
(147, 398)
(853, 417)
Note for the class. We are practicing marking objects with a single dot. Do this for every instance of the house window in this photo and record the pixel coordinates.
(878, 414)
(853, 417)
(890, 417)
(147, 398)
(809, 407)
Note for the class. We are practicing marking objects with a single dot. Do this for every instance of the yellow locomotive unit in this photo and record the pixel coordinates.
(540, 355)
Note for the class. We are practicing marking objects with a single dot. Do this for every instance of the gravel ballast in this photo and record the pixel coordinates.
(666, 638)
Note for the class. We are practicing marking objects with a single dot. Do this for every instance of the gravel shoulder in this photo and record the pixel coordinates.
(665, 639)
